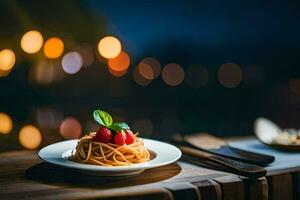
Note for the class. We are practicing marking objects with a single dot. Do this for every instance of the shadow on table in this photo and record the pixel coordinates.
(51, 174)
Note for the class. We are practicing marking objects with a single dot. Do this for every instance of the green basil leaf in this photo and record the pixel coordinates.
(102, 118)
(118, 126)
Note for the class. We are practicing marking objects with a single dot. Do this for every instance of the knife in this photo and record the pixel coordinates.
(234, 166)
(217, 146)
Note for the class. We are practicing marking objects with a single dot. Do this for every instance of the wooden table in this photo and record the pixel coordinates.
(24, 176)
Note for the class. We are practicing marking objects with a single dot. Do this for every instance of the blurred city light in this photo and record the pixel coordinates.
(109, 47)
(32, 42)
(70, 128)
(4, 73)
(120, 63)
(149, 68)
(139, 79)
(117, 73)
(230, 75)
(173, 74)
(30, 137)
(6, 124)
(294, 85)
(87, 54)
(7, 59)
(53, 48)
(46, 72)
(72, 62)
(146, 71)
(197, 76)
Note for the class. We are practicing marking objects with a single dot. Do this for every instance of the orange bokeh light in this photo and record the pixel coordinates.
(70, 128)
(53, 48)
(119, 63)
(32, 41)
(139, 79)
(173, 74)
(109, 47)
(6, 124)
(117, 73)
(230, 75)
(4, 73)
(30, 137)
(7, 59)
(149, 68)
(146, 71)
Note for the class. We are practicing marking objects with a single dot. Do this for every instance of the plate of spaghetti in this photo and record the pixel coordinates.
(114, 150)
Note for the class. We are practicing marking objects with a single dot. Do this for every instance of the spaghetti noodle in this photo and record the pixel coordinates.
(97, 153)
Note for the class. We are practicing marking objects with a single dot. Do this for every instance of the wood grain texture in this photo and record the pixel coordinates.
(281, 187)
(232, 187)
(256, 189)
(183, 190)
(24, 176)
(209, 189)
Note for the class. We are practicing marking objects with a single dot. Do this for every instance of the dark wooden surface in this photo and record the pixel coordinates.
(24, 176)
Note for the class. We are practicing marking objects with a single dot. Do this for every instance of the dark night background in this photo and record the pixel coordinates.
(262, 38)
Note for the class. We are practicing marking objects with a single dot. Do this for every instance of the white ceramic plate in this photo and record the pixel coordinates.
(59, 153)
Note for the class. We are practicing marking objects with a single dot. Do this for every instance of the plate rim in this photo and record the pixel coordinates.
(89, 167)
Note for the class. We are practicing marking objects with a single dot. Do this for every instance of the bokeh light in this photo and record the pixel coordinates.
(87, 54)
(6, 124)
(53, 48)
(139, 79)
(117, 73)
(46, 72)
(294, 85)
(109, 47)
(149, 68)
(4, 73)
(230, 75)
(173, 74)
(30, 137)
(146, 71)
(7, 59)
(32, 42)
(71, 62)
(119, 63)
(70, 128)
(197, 76)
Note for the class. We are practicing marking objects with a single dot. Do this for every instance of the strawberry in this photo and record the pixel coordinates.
(103, 135)
(120, 138)
(129, 137)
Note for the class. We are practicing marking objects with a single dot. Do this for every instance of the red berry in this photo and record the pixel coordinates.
(103, 135)
(129, 137)
(120, 138)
